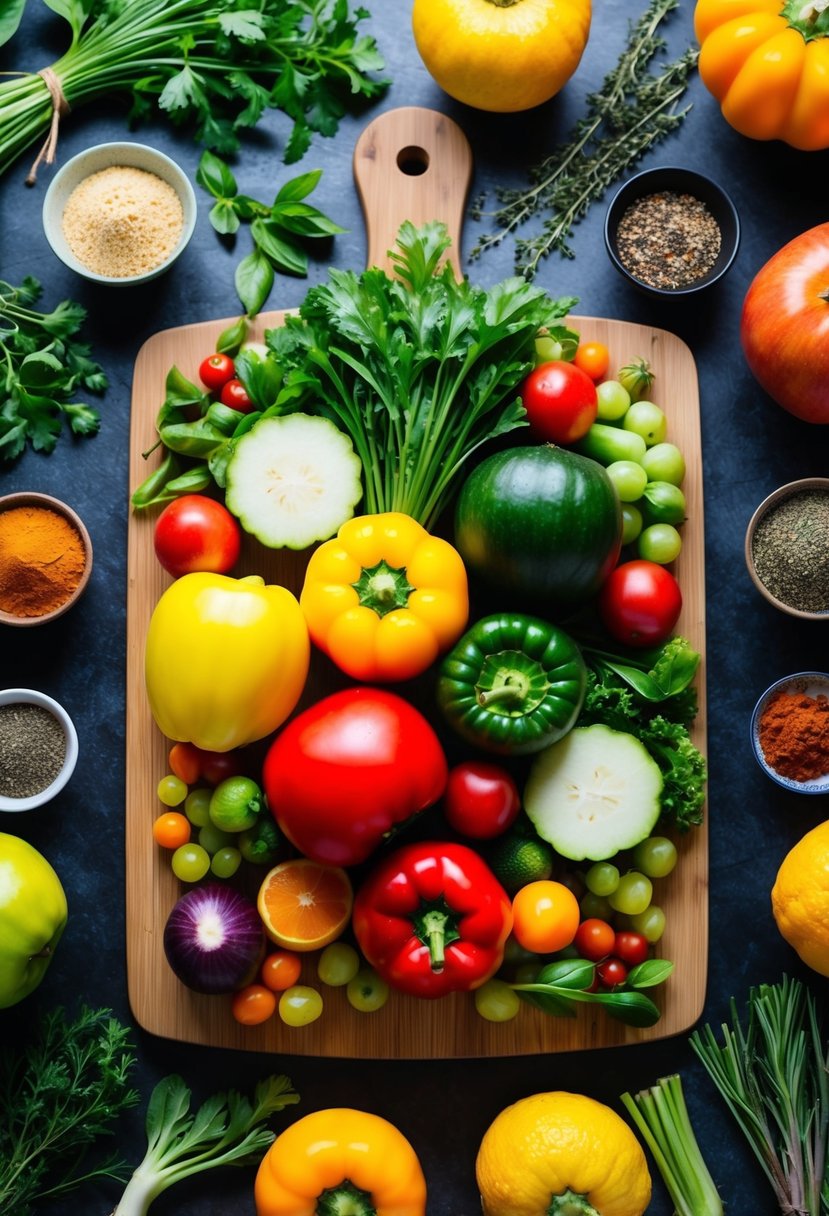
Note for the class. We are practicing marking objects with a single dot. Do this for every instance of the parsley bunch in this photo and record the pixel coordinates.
(217, 64)
(42, 367)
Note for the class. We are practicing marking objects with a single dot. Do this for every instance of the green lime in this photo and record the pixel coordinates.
(236, 804)
(516, 860)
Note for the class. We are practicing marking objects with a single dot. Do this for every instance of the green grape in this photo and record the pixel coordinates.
(613, 401)
(190, 862)
(631, 523)
(196, 807)
(656, 856)
(629, 478)
(299, 1005)
(527, 973)
(171, 790)
(602, 878)
(225, 862)
(591, 905)
(650, 923)
(664, 462)
(547, 349)
(496, 1001)
(367, 992)
(660, 543)
(213, 839)
(633, 894)
(338, 964)
(648, 420)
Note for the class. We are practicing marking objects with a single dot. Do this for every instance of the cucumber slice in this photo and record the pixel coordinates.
(292, 481)
(594, 792)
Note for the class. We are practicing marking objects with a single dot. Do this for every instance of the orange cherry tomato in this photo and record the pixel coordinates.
(280, 970)
(545, 916)
(593, 358)
(185, 761)
(171, 830)
(253, 1005)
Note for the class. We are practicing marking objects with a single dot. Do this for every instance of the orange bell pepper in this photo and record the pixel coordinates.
(384, 598)
(340, 1160)
(767, 63)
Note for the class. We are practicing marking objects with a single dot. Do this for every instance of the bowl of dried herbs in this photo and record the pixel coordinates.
(787, 548)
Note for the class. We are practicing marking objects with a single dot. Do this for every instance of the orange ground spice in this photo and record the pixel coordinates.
(794, 735)
(42, 559)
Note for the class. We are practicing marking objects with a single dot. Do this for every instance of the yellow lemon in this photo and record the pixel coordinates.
(800, 898)
(561, 1152)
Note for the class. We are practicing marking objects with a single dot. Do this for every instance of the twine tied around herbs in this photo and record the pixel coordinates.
(60, 108)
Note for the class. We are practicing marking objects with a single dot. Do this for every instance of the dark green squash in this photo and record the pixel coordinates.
(542, 523)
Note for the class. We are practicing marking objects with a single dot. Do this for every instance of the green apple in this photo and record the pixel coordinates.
(32, 917)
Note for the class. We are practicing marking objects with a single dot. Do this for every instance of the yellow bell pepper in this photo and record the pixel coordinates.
(340, 1160)
(767, 63)
(384, 598)
(226, 660)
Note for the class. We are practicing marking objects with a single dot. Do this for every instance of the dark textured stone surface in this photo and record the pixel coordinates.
(750, 447)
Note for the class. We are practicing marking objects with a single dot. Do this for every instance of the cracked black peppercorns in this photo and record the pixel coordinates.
(32, 749)
(668, 240)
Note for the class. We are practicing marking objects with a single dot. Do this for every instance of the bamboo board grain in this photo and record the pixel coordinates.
(405, 1027)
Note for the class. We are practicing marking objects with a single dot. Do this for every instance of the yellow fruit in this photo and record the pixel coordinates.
(501, 55)
(303, 905)
(561, 1146)
(800, 898)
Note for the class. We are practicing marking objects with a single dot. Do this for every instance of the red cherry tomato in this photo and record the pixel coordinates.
(235, 396)
(215, 766)
(560, 400)
(630, 947)
(594, 939)
(481, 800)
(216, 370)
(196, 533)
(612, 972)
(640, 603)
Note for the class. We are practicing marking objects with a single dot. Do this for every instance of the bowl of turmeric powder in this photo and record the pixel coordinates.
(790, 732)
(45, 558)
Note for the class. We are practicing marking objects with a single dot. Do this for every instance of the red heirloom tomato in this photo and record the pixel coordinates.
(235, 396)
(560, 400)
(639, 603)
(481, 800)
(351, 768)
(216, 370)
(196, 533)
(785, 326)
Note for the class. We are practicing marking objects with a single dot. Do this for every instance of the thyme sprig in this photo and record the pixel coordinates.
(632, 111)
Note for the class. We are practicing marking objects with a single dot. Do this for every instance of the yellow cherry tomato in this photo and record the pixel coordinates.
(545, 916)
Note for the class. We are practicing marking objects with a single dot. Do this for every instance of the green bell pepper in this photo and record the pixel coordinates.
(513, 684)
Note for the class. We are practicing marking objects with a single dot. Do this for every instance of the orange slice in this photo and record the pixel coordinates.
(303, 905)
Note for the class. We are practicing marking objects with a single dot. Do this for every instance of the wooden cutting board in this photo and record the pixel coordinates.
(409, 164)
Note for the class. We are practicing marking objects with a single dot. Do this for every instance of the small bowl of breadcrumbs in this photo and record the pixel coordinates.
(119, 213)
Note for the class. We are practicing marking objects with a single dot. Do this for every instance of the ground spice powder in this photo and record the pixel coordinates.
(668, 240)
(794, 735)
(32, 749)
(122, 221)
(42, 559)
(790, 550)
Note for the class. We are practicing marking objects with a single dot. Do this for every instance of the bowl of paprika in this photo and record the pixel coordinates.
(45, 558)
(790, 732)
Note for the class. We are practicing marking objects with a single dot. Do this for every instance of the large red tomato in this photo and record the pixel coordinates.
(348, 770)
(785, 326)
(195, 533)
(640, 603)
(560, 400)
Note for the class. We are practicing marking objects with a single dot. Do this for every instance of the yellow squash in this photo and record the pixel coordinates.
(501, 55)
(226, 660)
(561, 1154)
(340, 1160)
(767, 63)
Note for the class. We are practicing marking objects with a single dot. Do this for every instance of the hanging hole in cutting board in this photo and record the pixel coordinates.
(413, 161)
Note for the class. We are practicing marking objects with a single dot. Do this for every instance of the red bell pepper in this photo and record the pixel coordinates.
(433, 919)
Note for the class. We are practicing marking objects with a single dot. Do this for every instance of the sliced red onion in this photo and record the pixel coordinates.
(214, 939)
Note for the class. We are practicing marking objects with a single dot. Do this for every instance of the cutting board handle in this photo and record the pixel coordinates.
(411, 164)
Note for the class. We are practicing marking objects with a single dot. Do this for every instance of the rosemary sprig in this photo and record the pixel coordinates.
(631, 112)
(773, 1078)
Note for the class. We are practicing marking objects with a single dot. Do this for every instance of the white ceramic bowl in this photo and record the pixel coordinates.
(102, 156)
(813, 683)
(28, 696)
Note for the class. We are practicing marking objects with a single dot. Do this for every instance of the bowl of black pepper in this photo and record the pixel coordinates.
(38, 749)
(787, 548)
(671, 231)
